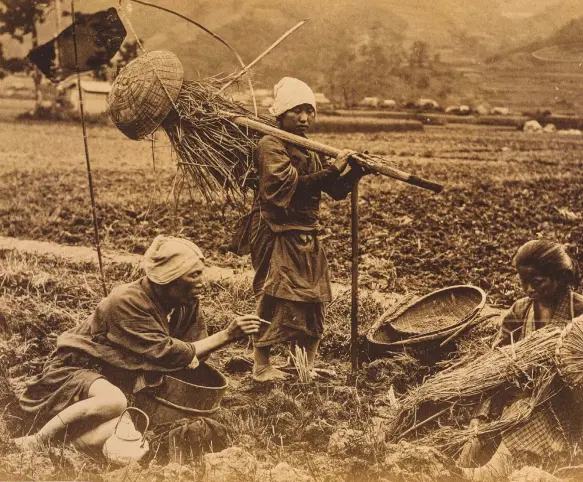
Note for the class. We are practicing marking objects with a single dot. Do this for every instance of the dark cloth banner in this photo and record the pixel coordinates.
(99, 37)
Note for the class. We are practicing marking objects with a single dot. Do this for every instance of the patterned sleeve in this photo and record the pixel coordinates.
(512, 324)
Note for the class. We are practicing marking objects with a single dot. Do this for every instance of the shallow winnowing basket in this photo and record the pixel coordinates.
(430, 318)
(569, 354)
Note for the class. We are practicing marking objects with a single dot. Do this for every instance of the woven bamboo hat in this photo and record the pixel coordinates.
(144, 92)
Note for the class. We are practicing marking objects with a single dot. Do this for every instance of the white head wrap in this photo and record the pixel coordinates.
(169, 258)
(289, 93)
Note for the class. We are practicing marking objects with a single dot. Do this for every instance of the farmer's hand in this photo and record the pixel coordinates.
(342, 159)
(242, 326)
(475, 423)
(471, 450)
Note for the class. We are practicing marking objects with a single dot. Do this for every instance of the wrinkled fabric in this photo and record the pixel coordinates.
(168, 258)
(519, 321)
(290, 321)
(130, 329)
(290, 92)
(65, 379)
(284, 171)
(186, 439)
(287, 266)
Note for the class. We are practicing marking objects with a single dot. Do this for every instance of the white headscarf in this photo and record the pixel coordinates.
(168, 258)
(289, 93)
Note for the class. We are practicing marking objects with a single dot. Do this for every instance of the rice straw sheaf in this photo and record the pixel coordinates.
(450, 438)
(215, 154)
(527, 363)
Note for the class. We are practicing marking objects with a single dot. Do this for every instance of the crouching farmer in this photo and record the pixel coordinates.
(150, 325)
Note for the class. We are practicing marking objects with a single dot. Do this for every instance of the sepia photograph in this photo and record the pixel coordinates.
(310, 241)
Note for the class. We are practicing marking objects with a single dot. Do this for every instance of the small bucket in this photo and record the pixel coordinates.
(184, 393)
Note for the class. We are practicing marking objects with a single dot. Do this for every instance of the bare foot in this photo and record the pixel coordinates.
(29, 442)
(268, 373)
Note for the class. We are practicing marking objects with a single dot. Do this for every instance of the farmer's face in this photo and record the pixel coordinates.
(298, 120)
(536, 285)
(189, 287)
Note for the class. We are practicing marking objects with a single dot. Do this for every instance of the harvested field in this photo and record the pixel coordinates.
(502, 187)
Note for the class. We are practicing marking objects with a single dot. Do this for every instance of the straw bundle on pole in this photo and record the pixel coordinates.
(214, 152)
(213, 136)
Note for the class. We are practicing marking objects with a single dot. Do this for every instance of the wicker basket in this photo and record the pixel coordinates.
(144, 93)
(414, 325)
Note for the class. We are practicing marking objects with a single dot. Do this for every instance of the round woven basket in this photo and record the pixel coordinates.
(144, 93)
(569, 355)
(419, 333)
(438, 311)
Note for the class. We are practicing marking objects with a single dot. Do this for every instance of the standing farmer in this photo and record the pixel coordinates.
(292, 279)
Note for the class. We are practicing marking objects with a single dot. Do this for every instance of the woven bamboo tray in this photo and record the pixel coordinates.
(427, 321)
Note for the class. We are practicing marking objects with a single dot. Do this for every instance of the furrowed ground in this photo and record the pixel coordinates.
(502, 187)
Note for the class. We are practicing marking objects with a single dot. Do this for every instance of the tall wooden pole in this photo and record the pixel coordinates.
(58, 25)
(354, 307)
(88, 162)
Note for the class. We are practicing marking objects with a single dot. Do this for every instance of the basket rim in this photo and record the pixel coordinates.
(412, 338)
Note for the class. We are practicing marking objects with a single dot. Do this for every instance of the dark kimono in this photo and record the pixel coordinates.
(128, 336)
(552, 424)
(291, 271)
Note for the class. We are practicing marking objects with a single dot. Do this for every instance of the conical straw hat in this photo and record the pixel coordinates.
(144, 92)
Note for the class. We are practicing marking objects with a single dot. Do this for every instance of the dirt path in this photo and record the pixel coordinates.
(84, 254)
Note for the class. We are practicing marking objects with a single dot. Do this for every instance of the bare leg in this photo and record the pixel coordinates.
(262, 369)
(497, 468)
(311, 348)
(96, 437)
(105, 401)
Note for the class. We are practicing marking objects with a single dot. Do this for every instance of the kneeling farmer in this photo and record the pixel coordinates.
(150, 325)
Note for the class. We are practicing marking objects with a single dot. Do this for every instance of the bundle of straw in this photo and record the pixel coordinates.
(531, 361)
(570, 353)
(213, 152)
(451, 438)
(300, 361)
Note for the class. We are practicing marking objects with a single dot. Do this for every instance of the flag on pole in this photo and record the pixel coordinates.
(99, 37)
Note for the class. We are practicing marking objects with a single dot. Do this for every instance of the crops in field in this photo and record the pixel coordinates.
(502, 187)
(367, 125)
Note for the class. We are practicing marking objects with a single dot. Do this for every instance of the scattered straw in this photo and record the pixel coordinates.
(300, 361)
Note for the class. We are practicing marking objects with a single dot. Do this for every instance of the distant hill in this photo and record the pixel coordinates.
(457, 33)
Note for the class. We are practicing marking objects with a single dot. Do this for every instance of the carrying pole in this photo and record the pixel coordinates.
(369, 162)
